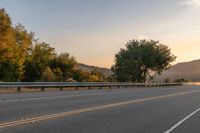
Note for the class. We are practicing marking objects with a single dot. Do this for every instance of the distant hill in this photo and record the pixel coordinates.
(89, 68)
(187, 70)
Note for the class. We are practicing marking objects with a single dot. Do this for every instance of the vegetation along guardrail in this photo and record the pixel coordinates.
(62, 85)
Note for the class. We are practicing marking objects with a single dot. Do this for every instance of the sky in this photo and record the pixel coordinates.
(94, 30)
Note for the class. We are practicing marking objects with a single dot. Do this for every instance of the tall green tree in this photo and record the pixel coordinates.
(64, 65)
(139, 59)
(38, 60)
(8, 71)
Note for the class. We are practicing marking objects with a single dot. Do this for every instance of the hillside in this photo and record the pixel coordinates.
(89, 68)
(187, 70)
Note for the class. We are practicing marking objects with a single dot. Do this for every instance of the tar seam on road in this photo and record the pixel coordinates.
(61, 96)
(74, 112)
(64, 96)
(182, 121)
(48, 97)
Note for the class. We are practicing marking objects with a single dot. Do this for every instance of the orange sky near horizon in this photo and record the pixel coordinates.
(94, 30)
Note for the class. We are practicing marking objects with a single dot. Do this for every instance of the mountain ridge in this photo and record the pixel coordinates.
(89, 68)
(187, 70)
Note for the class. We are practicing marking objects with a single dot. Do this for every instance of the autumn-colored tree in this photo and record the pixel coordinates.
(24, 40)
(7, 40)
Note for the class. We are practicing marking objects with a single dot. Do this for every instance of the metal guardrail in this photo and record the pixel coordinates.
(62, 85)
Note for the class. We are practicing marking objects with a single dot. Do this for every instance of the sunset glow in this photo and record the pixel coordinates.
(99, 28)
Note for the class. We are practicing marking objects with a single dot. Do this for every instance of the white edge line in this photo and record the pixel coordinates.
(182, 121)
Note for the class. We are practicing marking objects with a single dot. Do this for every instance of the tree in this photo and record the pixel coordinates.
(23, 40)
(8, 71)
(140, 59)
(48, 75)
(24, 59)
(7, 42)
(80, 75)
(58, 74)
(6, 36)
(180, 80)
(167, 80)
(64, 65)
(84, 76)
(38, 60)
(99, 75)
(14, 45)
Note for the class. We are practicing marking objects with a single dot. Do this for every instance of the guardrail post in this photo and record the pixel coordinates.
(110, 87)
(89, 87)
(100, 87)
(76, 88)
(18, 89)
(61, 88)
(42, 89)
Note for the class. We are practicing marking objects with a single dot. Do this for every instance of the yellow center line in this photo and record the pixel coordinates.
(74, 112)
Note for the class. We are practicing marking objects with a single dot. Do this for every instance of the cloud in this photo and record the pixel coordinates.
(194, 3)
(141, 37)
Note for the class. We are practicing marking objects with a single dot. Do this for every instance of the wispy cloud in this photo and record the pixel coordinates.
(141, 37)
(194, 3)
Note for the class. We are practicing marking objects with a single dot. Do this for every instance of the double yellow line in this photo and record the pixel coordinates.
(74, 112)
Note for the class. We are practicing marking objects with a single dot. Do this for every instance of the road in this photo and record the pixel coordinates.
(125, 110)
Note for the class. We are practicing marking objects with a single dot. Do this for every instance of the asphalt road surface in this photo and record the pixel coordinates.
(125, 110)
